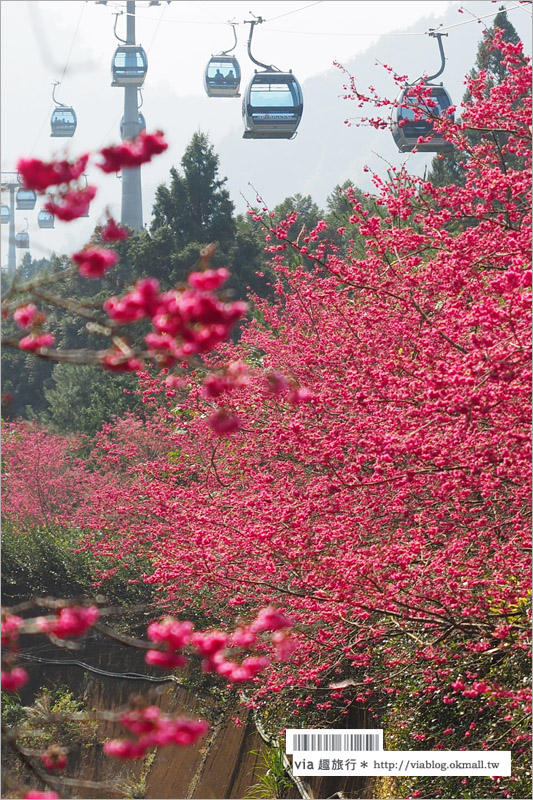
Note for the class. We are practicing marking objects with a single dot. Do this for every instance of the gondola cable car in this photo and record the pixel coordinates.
(6, 214)
(25, 199)
(45, 219)
(222, 77)
(272, 105)
(129, 65)
(414, 118)
(130, 62)
(22, 239)
(63, 121)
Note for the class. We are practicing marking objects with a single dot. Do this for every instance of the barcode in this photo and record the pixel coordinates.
(318, 742)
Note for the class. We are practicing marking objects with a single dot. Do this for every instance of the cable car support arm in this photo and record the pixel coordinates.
(252, 23)
(438, 36)
(226, 52)
(55, 85)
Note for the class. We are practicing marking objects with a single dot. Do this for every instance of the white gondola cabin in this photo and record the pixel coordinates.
(272, 106)
(45, 219)
(414, 117)
(222, 77)
(129, 65)
(63, 122)
(26, 199)
(22, 240)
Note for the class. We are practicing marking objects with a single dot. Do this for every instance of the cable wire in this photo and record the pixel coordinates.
(132, 676)
(73, 41)
(322, 33)
(476, 19)
(51, 108)
(157, 28)
(296, 10)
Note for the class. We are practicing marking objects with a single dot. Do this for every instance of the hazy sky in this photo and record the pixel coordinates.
(72, 41)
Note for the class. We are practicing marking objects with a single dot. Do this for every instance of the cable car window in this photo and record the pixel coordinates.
(5, 214)
(63, 116)
(222, 77)
(273, 106)
(424, 107)
(221, 74)
(273, 96)
(129, 61)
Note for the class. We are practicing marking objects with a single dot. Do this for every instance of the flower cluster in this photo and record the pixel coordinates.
(54, 758)
(25, 315)
(73, 203)
(132, 154)
(71, 197)
(13, 678)
(40, 175)
(186, 321)
(73, 621)
(148, 728)
(214, 646)
(111, 232)
(94, 261)
(28, 316)
(35, 341)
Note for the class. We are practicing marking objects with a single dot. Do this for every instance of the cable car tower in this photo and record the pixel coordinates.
(12, 183)
(414, 114)
(129, 68)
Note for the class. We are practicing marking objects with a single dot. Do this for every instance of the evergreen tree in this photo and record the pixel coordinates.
(29, 267)
(196, 206)
(81, 397)
(307, 210)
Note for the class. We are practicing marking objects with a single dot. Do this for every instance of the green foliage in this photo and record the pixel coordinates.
(30, 267)
(470, 724)
(64, 729)
(339, 209)
(47, 561)
(196, 207)
(81, 397)
(12, 709)
(491, 60)
(274, 782)
(137, 789)
(24, 379)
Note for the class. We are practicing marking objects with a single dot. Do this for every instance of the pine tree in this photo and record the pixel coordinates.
(196, 206)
